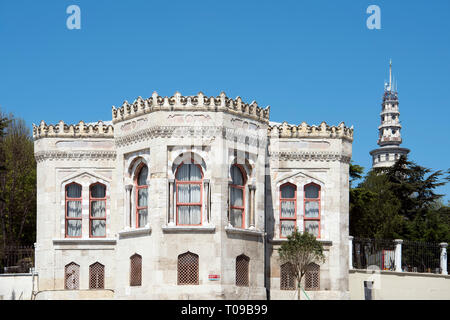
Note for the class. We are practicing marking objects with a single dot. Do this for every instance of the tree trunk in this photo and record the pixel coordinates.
(299, 288)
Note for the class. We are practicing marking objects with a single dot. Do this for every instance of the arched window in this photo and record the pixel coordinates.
(96, 276)
(141, 196)
(288, 209)
(312, 209)
(312, 277)
(97, 210)
(72, 276)
(237, 197)
(189, 179)
(187, 268)
(135, 270)
(287, 276)
(242, 266)
(73, 210)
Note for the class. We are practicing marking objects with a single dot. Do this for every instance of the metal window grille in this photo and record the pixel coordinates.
(135, 270)
(421, 257)
(312, 277)
(96, 276)
(242, 263)
(287, 278)
(72, 276)
(187, 268)
(16, 259)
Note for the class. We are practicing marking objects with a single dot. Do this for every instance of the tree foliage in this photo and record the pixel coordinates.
(400, 202)
(17, 183)
(300, 250)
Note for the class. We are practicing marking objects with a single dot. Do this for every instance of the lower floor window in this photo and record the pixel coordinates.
(96, 276)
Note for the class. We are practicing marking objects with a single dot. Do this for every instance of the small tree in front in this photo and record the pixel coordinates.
(300, 250)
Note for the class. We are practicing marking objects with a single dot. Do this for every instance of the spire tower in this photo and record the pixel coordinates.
(389, 138)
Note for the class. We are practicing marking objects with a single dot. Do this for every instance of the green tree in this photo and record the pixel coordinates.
(300, 250)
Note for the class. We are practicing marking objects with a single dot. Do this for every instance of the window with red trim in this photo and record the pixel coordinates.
(73, 210)
(97, 210)
(189, 186)
(312, 209)
(237, 197)
(288, 209)
(141, 196)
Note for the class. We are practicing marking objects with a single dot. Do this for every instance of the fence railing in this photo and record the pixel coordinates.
(16, 259)
(398, 255)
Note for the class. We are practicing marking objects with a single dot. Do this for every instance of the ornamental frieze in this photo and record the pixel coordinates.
(74, 155)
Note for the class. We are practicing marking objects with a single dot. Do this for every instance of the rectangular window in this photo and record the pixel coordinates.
(73, 210)
(97, 210)
(288, 209)
(312, 209)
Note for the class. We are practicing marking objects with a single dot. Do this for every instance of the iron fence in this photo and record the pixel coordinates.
(421, 257)
(16, 259)
(373, 252)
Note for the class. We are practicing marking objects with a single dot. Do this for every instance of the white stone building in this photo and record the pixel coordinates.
(188, 197)
(390, 137)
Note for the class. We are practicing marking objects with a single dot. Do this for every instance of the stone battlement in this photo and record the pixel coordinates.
(304, 130)
(80, 130)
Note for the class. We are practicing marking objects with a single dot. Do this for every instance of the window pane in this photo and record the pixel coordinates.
(312, 227)
(236, 197)
(311, 191)
(98, 191)
(74, 209)
(236, 218)
(74, 191)
(98, 228)
(189, 215)
(287, 209)
(236, 176)
(142, 213)
(74, 228)
(287, 227)
(311, 209)
(189, 193)
(142, 197)
(142, 178)
(288, 191)
(189, 172)
(98, 209)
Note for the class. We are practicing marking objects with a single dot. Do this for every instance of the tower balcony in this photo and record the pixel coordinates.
(386, 124)
(389, 140)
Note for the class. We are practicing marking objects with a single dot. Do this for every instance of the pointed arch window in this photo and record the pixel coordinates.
(73, 210)
(242, 270)
(141, 196)
(97, 210)
(188, 269)
(96, 276)
(237, 197)
(189, 184)
(288, 209)
(287, 276)
(72, 276)
(312, 209)
(312, 277)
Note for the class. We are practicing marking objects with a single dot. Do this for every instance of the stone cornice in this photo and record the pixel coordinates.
(200, 102)
(309, 156)
(304, 130)
(80, 130)
(74, 155)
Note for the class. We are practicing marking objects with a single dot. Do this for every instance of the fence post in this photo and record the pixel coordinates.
(444, 257)
(398, 255)
(350, 252)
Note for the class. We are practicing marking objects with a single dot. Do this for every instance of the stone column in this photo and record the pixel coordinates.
(229, 204)
(251, 199)
(171, 202)
(398, 255)
(127, 205)
(207, 217)
(350, 252)
(444, 258)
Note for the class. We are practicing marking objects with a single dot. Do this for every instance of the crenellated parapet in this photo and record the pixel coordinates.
(304, 130)
(80, 130)
(200, 102)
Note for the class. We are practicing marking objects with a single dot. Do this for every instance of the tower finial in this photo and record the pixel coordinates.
(390, 74)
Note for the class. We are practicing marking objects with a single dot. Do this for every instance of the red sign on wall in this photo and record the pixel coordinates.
(213, 277)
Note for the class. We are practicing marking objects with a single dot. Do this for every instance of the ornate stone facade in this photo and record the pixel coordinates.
(228, 228)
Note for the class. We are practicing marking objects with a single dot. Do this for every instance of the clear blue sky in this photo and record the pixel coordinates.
(310, 61)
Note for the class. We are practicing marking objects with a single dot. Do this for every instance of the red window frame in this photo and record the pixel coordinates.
(67, 199)
(242, 208)
(138, 172)
(312, 200)
(295, 207)
(91, 218)
(178, 204)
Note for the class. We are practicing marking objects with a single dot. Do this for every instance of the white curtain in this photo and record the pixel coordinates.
(312, 227)
(287, 227)
(98, 210)
(236, 218)
(142, 178)
(189, 193)
(74, 211)
(287, 209)
(311, 209)
(237, 197)
(236, 176)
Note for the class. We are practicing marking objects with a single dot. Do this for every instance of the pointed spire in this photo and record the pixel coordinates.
(390, 75)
